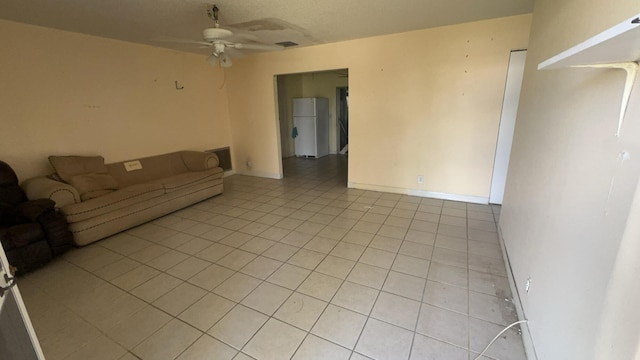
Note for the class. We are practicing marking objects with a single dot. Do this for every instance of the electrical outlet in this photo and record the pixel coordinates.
(420, 179)
(527, 285)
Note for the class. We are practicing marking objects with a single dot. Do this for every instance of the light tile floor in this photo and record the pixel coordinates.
(300, 268)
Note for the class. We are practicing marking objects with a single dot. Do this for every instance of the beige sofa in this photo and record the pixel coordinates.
(99, 200)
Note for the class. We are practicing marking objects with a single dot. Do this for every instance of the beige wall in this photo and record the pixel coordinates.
(421, 103)
(568, 197)
(67, 93)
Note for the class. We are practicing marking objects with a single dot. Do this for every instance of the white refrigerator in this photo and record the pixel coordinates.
(311, 126)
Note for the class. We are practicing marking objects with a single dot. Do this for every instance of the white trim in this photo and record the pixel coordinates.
(228, 173)
(527, 340)
(259, 174)
(421, 193)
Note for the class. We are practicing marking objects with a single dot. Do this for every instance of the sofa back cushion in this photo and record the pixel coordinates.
(69, 166)
(88, 174)
(152, 168)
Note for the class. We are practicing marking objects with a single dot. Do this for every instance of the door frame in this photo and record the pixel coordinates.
(338, 109)
(513, 85)
(16, 327)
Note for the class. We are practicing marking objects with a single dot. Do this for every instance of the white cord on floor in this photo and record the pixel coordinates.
(497, 336)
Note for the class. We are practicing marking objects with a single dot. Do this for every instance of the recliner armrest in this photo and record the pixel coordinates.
(44, 188)
(32, 209)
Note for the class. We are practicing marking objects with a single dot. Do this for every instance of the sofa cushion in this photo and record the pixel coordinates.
(93, 185)
(153, 168)
(69, 166)
(178, 182)
(116, 200)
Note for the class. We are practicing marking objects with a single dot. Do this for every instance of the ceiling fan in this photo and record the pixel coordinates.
(220, 40)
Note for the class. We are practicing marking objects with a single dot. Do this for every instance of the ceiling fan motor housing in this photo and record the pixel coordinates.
(212, 34)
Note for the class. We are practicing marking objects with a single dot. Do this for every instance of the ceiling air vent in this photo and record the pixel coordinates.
(287, 44)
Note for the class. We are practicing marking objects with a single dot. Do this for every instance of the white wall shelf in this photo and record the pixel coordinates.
(618, 44)
(615, 48)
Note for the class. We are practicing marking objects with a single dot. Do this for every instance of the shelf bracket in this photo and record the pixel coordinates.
(631, 67)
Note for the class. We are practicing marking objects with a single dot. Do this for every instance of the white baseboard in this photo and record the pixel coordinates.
(228, 173)
(527, 340)
(420, 193)
(259, 174)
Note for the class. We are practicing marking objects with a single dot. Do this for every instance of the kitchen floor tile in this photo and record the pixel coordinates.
(404, 285)
(276, 340)
(446, 296)
(380, 340)
(300, 310)
(289, 276)
(425, 348)
(211, 277)
(368, 275)
(207, 347)
(206, 311)
(315, 348)
(238, 326)
(396, 310)
(335, 266)
(266, 298)
(448, 274)
(340, 326)
(237, 287)
(445, 325)
(320, 286)
(356, 297)
(168, 342)
(261, 267)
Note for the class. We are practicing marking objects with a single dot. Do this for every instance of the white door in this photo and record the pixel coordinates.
(507, 125)
(17, 338)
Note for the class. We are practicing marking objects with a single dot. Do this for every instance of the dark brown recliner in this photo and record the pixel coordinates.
(31, 232)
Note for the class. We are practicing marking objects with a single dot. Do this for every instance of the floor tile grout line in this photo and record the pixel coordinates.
(415, 330)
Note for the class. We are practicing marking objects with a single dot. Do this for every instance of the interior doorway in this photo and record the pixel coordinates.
(330, 84)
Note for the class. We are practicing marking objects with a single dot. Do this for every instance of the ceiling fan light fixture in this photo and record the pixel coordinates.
(225, 60)
(212, 60)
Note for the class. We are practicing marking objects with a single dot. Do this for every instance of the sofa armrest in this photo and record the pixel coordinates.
(199, 160)
(44, 188)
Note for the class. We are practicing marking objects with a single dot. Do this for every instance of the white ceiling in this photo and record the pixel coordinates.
(306, 22)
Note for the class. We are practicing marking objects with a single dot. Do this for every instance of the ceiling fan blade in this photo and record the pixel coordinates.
(240, 35)
(182, 41)
(260, 47)
(234, 53)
